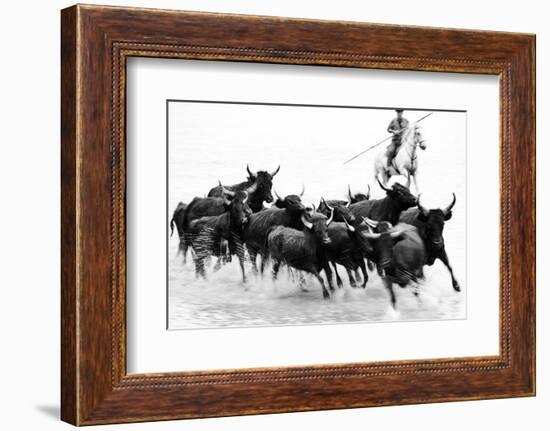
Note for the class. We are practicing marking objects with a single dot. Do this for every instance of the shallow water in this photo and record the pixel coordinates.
(201, 153)
(224, 301)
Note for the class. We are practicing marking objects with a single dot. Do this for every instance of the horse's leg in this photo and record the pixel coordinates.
(415, 181)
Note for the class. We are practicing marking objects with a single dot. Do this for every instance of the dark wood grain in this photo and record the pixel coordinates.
(69, 366)
(96, 41)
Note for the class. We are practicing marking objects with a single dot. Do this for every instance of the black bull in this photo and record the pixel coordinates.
(302, 249)
(430, 224)
(348, 246)
(398, 198)
(351, 198)
(217, 235)
(185, 214)
(285, 212)
(407, 258)
(177, 222)
(263, 181)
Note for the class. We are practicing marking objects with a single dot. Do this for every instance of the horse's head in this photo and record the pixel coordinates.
(418, 138)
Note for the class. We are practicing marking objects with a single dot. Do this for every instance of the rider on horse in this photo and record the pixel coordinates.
(397, 127)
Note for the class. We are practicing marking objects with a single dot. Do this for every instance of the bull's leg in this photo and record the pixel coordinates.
(199, 267)
(263, 261)
(238, 249)
(275, 269)
(370, 265)
(185, 243)
(339, 282)
(328, 273)
(389, 285)
(252, 255)
(352, 281)
(326, 295)
(241, 264)
(184, 246)
(302, 281)
(357, 274)
(364, 271)
(443, 257)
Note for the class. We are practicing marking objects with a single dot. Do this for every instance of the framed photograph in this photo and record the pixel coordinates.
(266, 215)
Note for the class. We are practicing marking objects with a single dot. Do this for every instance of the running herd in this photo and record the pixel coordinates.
(395, 235)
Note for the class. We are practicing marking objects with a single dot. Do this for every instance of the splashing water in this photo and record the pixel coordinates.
(224, 301)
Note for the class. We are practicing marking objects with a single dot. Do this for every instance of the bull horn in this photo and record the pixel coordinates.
(368, 193)
(250, 172)
(371, 234)
(326, 204)
(245, 197)
(276, 195)
(306, 223)
(329, 221)
(350, 228)
(383, 187)
(397, 233)
(370, 223)
(422, 209)
(450, 207)
(303, 191)
(252, 188)
(226, 191)
(349, 197)
(275, 172)
(311, 207)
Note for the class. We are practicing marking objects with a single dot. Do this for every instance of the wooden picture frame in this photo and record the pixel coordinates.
(95, 43)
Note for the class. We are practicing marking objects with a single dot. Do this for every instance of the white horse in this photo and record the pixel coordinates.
(405, 161)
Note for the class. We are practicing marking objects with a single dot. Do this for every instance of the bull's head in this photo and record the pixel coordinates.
(364, 243)
(434, 220)
(264, 181)
(236, 203)
(341, 212)
(318, 224)
(292, 203)
(400, 194)
(357, 197)
(383, 237)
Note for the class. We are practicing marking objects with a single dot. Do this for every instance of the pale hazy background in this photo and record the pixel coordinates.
(208, 141)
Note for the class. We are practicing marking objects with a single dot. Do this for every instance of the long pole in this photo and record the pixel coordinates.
(382, 141)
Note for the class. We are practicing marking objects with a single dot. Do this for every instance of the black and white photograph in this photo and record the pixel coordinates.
(288, 214)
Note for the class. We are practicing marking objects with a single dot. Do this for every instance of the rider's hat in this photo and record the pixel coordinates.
(399, 110)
